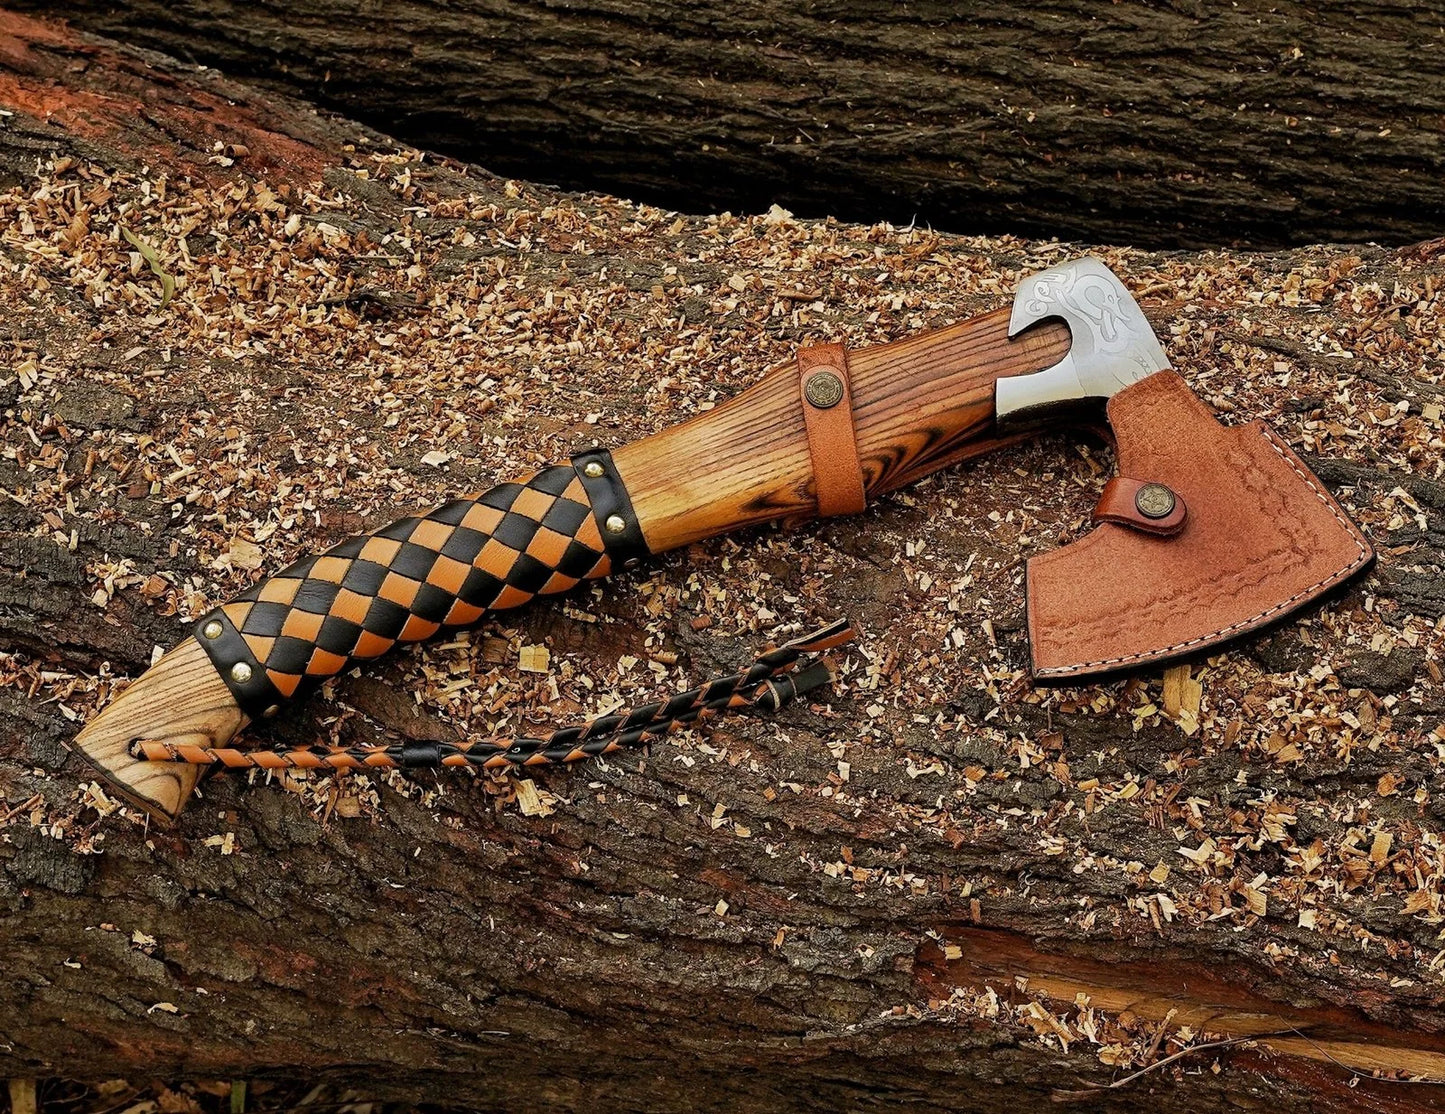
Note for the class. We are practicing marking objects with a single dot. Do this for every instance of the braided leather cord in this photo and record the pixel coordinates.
(770, 683)
(404, 583)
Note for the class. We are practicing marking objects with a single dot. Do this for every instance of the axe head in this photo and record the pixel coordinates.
(1206, 533)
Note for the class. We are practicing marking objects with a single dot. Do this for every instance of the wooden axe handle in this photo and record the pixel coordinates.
(918, 404)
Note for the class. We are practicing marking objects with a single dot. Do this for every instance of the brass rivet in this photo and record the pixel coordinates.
(593, 469)
(1155, 501)
(615, 524)
(823, 389)
(212, 629)
(240, 673)
(271, 711)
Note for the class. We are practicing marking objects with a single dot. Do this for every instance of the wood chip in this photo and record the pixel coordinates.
(1174, 678)
(245, 554)
(528, 799)
(533, 659)
(347, 806)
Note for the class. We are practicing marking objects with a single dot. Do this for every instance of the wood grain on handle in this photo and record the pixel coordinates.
(180, 698)
(919, 404)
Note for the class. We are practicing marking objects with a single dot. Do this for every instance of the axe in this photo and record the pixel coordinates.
(1205, 533)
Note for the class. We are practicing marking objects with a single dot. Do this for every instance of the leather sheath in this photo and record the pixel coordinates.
(1262, 538)
(827, 399)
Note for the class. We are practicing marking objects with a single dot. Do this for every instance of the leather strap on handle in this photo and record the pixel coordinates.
(832, 443)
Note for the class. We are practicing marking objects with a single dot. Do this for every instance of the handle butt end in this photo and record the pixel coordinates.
(180, 699)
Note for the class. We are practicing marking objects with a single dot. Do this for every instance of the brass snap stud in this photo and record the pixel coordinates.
(823, 389)
(592, 469)
(240, 673)
(1155, 501)
(615, 524)
(212, 629)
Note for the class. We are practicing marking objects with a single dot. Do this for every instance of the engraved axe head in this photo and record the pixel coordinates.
(1113, 345)
(1205, 534)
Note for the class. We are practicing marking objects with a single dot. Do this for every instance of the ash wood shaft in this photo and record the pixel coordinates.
(919, 404)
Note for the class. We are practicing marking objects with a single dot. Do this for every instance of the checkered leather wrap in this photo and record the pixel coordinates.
(404, 583)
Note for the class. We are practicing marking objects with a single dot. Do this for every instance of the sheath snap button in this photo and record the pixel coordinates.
(212, 629)
(1145, 505)
(240, 673)
(1154, 500)
(615, 524)
(593, 469)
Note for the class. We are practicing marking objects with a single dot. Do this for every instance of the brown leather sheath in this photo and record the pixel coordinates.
(1261, 538)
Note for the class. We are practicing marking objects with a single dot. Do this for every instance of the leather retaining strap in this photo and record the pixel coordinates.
(1145, 505)
(828, 412)
(612, 508)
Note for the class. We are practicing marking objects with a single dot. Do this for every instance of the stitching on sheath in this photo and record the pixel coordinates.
(1278, 446)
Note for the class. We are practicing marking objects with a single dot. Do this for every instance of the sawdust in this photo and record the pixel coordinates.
(326, 363)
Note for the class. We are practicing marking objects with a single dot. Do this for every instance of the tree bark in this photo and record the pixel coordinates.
(939, 888)
(1181, 124)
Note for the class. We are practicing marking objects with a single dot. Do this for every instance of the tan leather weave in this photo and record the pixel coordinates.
(446, 568)
(1263, 538)
(832, 442)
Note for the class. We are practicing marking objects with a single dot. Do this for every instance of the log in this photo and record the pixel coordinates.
(1179, 124)
(937, 886)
